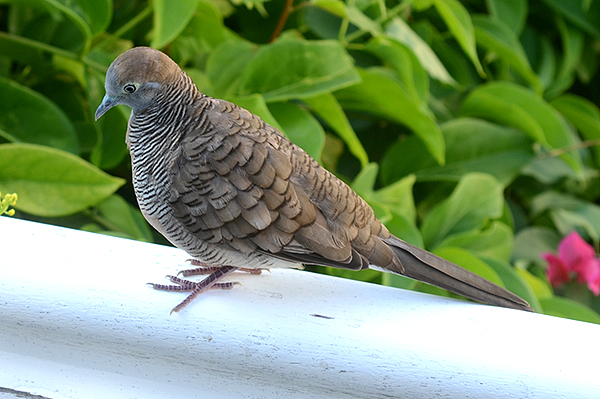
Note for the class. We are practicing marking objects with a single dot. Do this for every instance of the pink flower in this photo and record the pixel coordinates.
(576, 258)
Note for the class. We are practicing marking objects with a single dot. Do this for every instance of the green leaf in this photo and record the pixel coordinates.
(96, 13)
(413, 77)
(583, 114)
(336, 7)
(512, 12)
(257, 105)
(170, 19)
(300, 127)
(311, 68)
(203, 33)
(404, 228)
(28, 117)
(513, 281)
(569, 212)
(399, 31)
(364, 182)
(470, 262)
(399, 198)
(225, 66)
(472, 145)
(569, 309)
(83, 22)
(516, 106)
(533, 241)
(358, 18)
(476, 199)
(499, 39)
(120, 216)
(574, 12)
(458, 21)
(381, 95)
(586, 217)
(573, 42)
(329, 110)
(549, 170)
(52, 182)
(110, 148)
(23, 50)
(540, 288)
(494, 242)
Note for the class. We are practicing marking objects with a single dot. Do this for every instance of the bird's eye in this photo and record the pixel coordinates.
(129, 88)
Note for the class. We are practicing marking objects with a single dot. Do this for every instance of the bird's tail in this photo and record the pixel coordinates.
(427, 267)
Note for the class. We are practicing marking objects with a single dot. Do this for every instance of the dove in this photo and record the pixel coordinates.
(235, 194)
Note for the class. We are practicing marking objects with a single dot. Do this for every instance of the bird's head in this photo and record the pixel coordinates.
(135, 77)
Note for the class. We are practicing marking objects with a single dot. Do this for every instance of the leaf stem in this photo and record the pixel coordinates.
(561, 151)
(393, 12)
(127, 27)
(287, 8)
(50, 49)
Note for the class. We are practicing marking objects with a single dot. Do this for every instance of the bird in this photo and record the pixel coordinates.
(235, 194)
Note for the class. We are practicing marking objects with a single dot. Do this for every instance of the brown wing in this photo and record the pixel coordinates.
(238, 182)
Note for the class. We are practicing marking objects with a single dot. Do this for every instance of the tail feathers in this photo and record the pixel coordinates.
(431, 269)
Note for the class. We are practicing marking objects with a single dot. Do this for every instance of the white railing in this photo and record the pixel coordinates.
(78, 321)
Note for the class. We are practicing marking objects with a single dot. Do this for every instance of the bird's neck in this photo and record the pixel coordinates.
(160, 124)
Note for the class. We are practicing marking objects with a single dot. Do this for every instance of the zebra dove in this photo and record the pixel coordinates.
(234, 192)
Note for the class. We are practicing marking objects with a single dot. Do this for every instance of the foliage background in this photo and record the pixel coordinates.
(471, 127)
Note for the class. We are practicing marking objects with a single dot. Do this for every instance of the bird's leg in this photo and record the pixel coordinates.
(196, 288)
(204, 268)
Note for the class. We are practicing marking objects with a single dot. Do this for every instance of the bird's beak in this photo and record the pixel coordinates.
(107, 103)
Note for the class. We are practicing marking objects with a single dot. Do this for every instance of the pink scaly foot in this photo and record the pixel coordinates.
(196, 288)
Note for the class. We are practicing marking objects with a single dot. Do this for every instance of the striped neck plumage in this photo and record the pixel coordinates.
(160, 124)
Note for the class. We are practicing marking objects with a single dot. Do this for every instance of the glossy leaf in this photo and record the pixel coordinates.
(204, 32)
(459, 22)
(516, 106)
(358, 18)
(574, 12)
(399, 31)
(329, 110)
(472, 145)
(533, 241)
(80, 19)
(513, 13)
(118, 215)
(573, 43)
(28, 117)
(495, 242)
(257, 105)
(540, 287)
(404, 228)
(96, 13)
(300, 127)
(52, 182)
(583, 114)
(567, 308)
(513, 282)
(110, 148)
(496, 37)
(411, 74)
(311, 68)
(170, 19)
(225, 65)
(569, 212)
(336, 7)
(399, 197)
(476, 199)
(382, 95)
